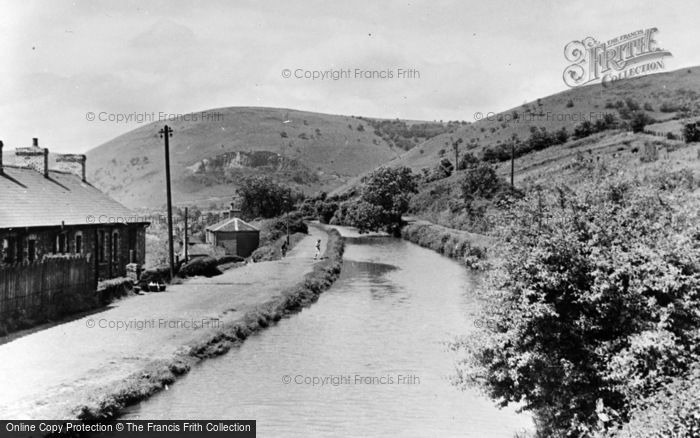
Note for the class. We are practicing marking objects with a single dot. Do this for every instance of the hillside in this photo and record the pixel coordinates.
(589, 290)
(664, 97)
(308, 151)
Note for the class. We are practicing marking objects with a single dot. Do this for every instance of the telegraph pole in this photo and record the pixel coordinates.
(287, 215)
(186, 213)
(512, 163)
(455, 146)
(166, 133)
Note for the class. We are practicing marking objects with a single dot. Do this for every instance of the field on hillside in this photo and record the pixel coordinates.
(667, 99)
(212, 151)
(436, 201)
(318, 150)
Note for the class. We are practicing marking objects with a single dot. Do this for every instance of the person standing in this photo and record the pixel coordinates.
(318, 249)
(284, 249)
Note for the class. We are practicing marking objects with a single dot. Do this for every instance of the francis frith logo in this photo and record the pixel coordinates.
(626, 56)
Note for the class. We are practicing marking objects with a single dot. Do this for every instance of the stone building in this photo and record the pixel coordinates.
(49, 213)
(235, 236)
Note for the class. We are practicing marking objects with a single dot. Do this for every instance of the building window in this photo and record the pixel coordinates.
(101, 244)
(62, 243)
(132, 245)
(8, 248)
(115, 246)
(31, 249)
(79, 243)
(19, 253)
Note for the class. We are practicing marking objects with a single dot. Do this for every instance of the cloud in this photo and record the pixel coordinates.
(164, 34)
(66, 58)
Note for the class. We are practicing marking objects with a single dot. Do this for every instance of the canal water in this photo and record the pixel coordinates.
(369, 359)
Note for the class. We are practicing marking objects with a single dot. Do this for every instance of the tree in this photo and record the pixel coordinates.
(364, 216)
(325, 210)
(583, 129)
(468, 161)
(384, 198)
(691, 133)
(263, 197)
(639, 120)
(562, 135)
(480, 182)
(589, 308)
(443, 169)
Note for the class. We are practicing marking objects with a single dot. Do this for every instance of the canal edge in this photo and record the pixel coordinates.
(154, 377)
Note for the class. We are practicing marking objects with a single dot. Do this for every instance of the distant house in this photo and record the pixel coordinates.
(234, 235)
(54, 213)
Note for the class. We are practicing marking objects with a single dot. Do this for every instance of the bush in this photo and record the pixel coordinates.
(273, 229)
(363, 216)
(669, 107)
(601, 291)
(467, 161)
(273, 250)
(586, 128)
(205, 266)
(442, 170)
(639, 120)
(383, 200)
(674, 411)
(157, 274)
(583, 129)
(109, 290)
(691, 133)
(541, 139)
(262, 197)
(480, 182)
(466, 247)
(325, 210)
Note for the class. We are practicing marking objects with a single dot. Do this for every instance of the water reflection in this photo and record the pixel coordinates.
(391, 314)
(372, 276)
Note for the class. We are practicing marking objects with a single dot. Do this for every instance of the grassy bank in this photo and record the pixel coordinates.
(273, 251)
(469, 248)
(153, 378)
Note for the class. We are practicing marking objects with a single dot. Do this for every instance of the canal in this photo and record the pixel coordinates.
(370, 358)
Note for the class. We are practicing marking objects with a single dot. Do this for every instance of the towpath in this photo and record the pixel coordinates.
(48, 373)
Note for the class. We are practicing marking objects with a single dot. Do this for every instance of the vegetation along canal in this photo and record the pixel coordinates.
(370, 358)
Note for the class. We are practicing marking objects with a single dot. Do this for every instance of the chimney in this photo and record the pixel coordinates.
(74, 159)
(46, 162)
(1, 145)
(33, 156)
(234, 211)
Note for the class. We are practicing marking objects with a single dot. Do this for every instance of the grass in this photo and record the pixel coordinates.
(273, 250)
(470, 248)
(156, 375)
(589, 102)
(128, 166)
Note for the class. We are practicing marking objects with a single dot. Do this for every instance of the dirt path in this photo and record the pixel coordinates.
(46, 374)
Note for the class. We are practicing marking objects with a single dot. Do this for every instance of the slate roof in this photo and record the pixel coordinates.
(27, 199)
(232, 224)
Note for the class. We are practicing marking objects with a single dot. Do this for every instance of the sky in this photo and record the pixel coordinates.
(63, 61)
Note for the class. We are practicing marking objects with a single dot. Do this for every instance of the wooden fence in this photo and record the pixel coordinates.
(54, 285)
